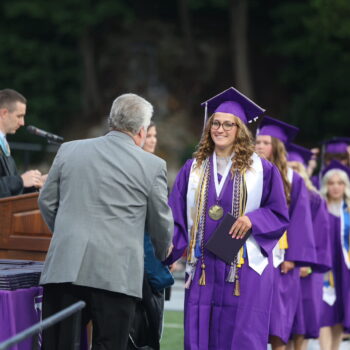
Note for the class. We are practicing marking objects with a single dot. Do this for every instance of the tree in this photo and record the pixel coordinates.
(239, 47)
(313, 39)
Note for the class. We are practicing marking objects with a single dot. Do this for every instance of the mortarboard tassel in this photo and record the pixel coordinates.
(240, 257)
(205, 114)
(202, 279)
(231, 274)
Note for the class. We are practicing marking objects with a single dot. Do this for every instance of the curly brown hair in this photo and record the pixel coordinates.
(279, 158)
(243, 147)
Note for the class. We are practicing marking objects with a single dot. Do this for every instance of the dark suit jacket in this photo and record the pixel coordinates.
(11, 182)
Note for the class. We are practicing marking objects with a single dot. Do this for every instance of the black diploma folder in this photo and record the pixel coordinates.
(222, 244)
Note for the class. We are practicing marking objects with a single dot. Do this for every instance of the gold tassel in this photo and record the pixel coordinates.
(331, 279)
(240, 257)
(241, 260)
(283, 242)
(237, 288)
(202, 279)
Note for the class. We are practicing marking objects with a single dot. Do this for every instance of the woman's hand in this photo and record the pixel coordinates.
(240, 227)
(287, 266)
(305, 271)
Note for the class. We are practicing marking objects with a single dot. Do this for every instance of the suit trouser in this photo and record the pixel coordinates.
(111, 314)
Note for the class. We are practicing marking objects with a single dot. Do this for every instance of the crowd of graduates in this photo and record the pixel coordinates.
(316, 303)
(290, 281)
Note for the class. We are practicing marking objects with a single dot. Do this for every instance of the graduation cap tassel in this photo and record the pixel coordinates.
(202, 279)
(231, 274)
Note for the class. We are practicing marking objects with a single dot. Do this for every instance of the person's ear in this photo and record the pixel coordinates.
(3, 112)
(143, 132)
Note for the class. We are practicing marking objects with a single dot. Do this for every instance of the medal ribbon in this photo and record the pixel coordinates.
(220, 188)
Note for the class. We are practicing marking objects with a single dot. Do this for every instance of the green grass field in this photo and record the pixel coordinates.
(173, 332)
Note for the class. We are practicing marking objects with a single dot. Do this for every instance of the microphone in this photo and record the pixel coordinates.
(50, 137)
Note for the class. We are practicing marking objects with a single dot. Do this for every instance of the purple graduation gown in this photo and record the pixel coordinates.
(301, 250)
(308, 317)
(214, 318)
(315, 179)
(339, 312)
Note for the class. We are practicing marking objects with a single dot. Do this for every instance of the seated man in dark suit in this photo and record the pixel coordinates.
(12, 112)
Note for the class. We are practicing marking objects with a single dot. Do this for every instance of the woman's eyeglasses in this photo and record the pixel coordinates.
(227, 126)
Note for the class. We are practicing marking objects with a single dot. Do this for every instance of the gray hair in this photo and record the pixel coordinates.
(343, 177)
(130, 113)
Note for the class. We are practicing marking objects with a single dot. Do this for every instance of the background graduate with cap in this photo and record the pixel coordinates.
(335, 314)
(297, 246)
(228, 306)
(337, 149)
(307, 321)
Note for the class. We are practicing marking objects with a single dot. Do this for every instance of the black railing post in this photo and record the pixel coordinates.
(35, 342)
(76, 330)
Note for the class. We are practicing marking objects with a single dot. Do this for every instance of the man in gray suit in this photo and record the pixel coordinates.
(99, 198)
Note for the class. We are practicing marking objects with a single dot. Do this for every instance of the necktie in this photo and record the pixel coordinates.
(5, 146)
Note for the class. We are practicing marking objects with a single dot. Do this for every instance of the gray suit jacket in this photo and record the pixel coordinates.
(100, 196)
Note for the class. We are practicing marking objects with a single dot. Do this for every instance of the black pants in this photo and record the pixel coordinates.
(111, 314)
(147, 324)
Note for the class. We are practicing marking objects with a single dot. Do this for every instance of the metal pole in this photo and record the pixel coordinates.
(48, 322)
(76, 330)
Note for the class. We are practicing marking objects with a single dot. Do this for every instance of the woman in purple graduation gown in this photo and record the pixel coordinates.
(307, 320)
(297, 246)
(227, 307)
(336, 290)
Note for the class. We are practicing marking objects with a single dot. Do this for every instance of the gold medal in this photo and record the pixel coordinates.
(216, 212)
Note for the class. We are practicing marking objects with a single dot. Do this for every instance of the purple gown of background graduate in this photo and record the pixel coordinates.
(308, 317)
(339, 312)
(215, 318)
(302, 251)
(315, 179)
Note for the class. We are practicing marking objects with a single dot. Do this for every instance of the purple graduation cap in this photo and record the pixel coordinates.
(334, 164)
(234, 102)
(337, 145)
(278, 129)
(299, 154)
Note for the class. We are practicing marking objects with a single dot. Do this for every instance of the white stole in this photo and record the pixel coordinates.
(254, 182)
(278, 253)
(219, 186)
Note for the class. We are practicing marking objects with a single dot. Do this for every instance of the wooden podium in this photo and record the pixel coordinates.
(23, 232)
